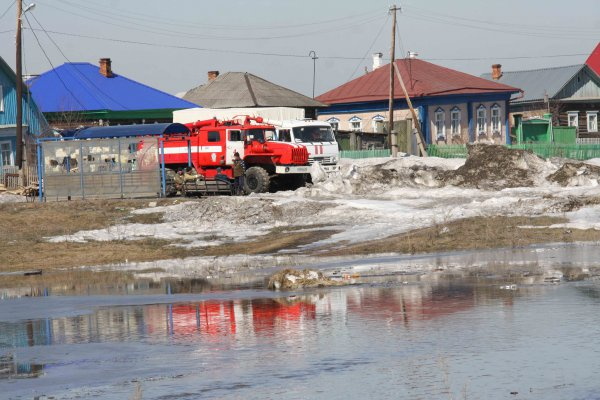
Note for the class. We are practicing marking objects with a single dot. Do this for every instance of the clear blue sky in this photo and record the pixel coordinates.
(467, 35)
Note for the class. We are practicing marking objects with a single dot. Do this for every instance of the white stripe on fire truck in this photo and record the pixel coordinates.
(194, 149)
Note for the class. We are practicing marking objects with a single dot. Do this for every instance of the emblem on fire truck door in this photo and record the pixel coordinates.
(213, 157)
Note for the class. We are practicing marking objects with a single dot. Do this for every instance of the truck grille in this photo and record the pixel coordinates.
(299, 155)
(321, 160)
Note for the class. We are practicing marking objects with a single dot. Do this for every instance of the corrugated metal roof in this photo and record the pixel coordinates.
(242, 89)
(81, 87)
(129, 130)
(536, 83)
(421, 78)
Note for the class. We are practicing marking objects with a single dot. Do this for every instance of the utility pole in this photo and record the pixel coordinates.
(313, 54)
(19, 83)
(392, 140)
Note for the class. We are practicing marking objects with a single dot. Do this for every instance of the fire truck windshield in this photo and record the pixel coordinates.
(313, 133)
(259, 134)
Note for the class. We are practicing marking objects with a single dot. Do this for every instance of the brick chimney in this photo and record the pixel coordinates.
(212, 75)
(105, 67)
(496, 71)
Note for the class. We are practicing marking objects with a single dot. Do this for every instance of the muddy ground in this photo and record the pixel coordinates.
(495, 198)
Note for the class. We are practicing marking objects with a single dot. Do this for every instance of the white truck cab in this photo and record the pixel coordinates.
(316, 136)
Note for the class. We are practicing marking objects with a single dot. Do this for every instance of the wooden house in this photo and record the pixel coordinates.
(570, 93)
(34, 123)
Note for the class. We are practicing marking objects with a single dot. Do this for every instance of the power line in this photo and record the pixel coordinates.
(79, 72)
(287, 55)
(127, 24)
(504, 58)
(452, 21)
(370, 47)
(229, 27)
(181, 47)
(8, 9)
(553, 28)
(50, 62)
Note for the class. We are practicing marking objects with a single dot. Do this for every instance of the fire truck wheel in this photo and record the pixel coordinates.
(257, 180)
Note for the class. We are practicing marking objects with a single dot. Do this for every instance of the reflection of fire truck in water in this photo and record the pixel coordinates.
(212, 144)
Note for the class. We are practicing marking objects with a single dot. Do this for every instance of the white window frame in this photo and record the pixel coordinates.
(439, 121)
(592, 116)
(481, 120)
(1, 99)
(573, 114)
(11, 160)
(455, 121)
(496, 119)
(375, 119)
(355, 120)
(335, 123)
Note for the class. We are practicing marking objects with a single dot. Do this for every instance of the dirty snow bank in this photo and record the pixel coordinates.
(11, 198)
(376, 198)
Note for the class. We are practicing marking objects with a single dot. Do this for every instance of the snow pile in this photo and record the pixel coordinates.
(377, 176)
(291, 279)
(576, 174)
(495, 167)
(11, 198)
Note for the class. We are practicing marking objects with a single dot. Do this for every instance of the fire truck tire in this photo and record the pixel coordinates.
(256, 181)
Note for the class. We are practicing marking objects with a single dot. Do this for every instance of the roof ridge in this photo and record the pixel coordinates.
(542, 69)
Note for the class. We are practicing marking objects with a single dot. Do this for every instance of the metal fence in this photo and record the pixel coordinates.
(365, 153)
(100, 168)
(544, 150)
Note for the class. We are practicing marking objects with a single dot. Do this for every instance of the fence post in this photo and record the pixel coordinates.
(39, 169)
(81, 179)
(120, 169)
(161, 147)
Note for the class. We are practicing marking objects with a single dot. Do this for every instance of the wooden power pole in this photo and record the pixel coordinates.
(19, 83)
(392, 140)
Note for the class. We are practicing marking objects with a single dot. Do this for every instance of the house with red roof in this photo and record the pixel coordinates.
(453, 107)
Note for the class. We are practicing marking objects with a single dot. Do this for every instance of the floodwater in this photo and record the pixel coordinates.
(441, 335)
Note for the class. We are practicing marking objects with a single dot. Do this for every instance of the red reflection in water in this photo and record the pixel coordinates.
(268, 313)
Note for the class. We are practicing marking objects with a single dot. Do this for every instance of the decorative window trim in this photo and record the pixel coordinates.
(455, 111)
(440, 133)
(588, 119)
(481, 130)
(334, 122)
(377, 118)
(355, 120)
(496, 108)
(569, 115)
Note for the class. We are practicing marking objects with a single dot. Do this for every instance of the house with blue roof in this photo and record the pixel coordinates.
(34, 123)
(76, 94)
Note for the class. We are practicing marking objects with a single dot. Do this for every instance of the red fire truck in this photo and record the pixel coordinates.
(212, 144)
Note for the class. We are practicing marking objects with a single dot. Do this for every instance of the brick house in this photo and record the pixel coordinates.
(453, 107)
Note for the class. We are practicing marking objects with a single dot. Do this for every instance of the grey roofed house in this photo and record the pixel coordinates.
(571, 94)
(242, 89)
(538, 83)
